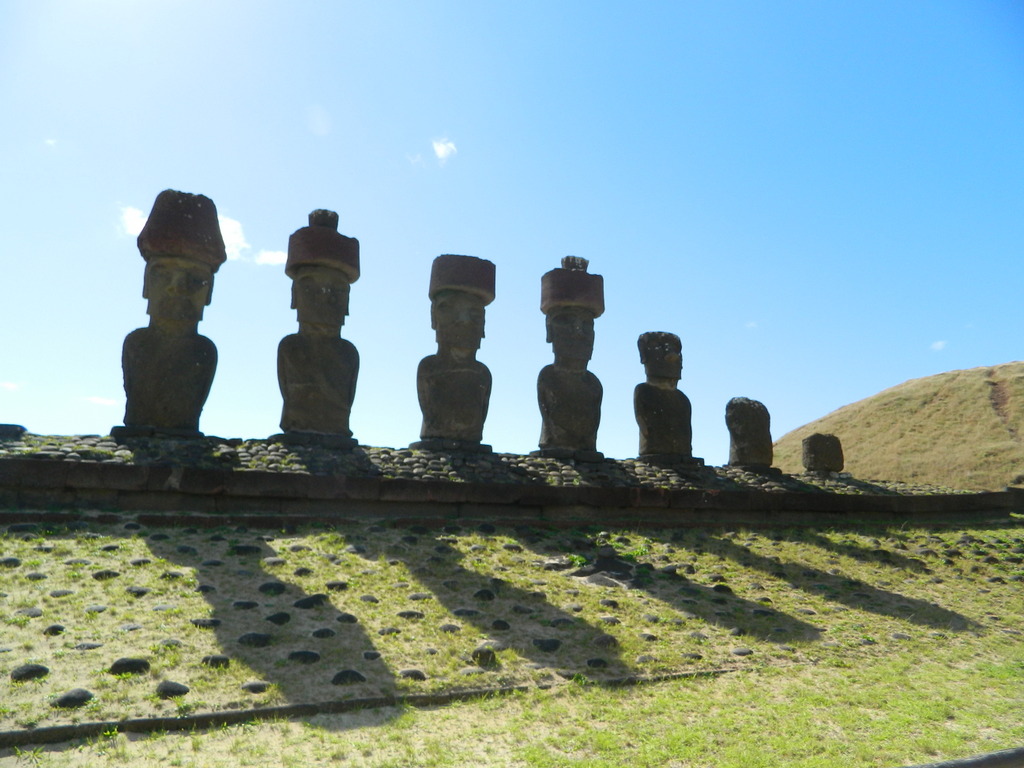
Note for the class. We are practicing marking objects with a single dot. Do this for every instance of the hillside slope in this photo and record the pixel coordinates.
(963, 429)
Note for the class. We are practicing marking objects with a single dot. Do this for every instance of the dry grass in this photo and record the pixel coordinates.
(961, 429)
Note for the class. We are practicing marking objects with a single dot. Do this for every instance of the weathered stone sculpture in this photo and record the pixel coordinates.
(662, 411)
(750, 437)
(454, 388)
(822, 453)
(168, 367)
(316, 369)
(568, 394)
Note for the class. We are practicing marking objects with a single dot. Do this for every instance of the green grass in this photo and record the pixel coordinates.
(869, 647)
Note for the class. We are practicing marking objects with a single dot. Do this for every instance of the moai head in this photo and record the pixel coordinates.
(571, 298)
(460, 288)
(750, 439)
(822, 453)
(182, 245)
(322, 265)
(662, 356)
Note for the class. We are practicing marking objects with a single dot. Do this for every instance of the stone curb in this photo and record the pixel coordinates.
(58, 733)
(1006, 758)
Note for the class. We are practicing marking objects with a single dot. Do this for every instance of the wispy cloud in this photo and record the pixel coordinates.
(271, 257)
(750, 324)
(50, 142)
(234, 237)
(101, 400)
(132, 220)
(10, 386)
(938, 346)
(443, 149)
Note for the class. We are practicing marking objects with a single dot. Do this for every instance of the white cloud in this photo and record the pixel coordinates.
(443, 149)
(318, 120)
(10, 386)
(50, 142)
(234, 237)
(271, 257)
(101, 400)
(132, 220)
(416, 159)
(938, 346)
(750, 324)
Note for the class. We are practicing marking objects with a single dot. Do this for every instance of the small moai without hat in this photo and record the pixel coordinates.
(168, 367)
(454, 388)
(568, 394)
(750, 435)
(316, 368)
(822, 453)
(663, 413)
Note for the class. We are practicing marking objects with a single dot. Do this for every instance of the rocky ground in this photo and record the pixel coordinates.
(436, 466)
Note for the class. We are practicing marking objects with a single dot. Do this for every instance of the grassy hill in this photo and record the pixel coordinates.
(963, 429)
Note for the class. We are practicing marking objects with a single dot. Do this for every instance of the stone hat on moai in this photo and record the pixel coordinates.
(321, 245)
(451, 272)
(184, 226)
(572, 286)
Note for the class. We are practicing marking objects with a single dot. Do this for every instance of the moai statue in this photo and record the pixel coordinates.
(316, 369)
(568, 394)
(822, 453)
(662, 411)
(168, 367)
(454, 388)
(750, 438)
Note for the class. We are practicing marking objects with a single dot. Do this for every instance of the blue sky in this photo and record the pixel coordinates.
(821, 199)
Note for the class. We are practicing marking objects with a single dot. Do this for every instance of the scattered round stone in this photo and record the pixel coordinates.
(244, 605)
(304, 657)
(217, 661)
(129, 666)
(206, 623)
(303, 571)
(484, 656)
(450, 628)
(76, 697)
(483, 594)
(171, 575)
(78, 561)
(412, 615)
(900, 636)
(9, 562)
(95, 608)
(337, 586)
(272, 561)
(648, 637)
(256, 686)
(699, 636)
(254, 640)
(244, 549)
(371, 655)
(741, 651)
(212, 563)
(53, 630)
(185, 549)
(272, 588)
(280, 618)
(466, 612)
(29, 672)
(323, 632)
(606, 641)
(159, 537)
(88, 646)
(171, 642)
(420, 596)
(168, 689)
(347, 677)
(597, 663)
(61, 592)
(347, 618)
(130, 627)
(384, 631)
(137, 591)
(205, 589)
(693, 656)
(646, 659)
(311, 601)
(412, 674)
(609, 603)
(369, 599)
(613, 620)
(139, 561)
(500, 625)
(32, 613)
(548, 645)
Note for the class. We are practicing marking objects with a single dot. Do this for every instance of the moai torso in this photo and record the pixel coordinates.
(570, 408)
(317, 376)
(167, 379)
(453, 397)
(664, 418)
